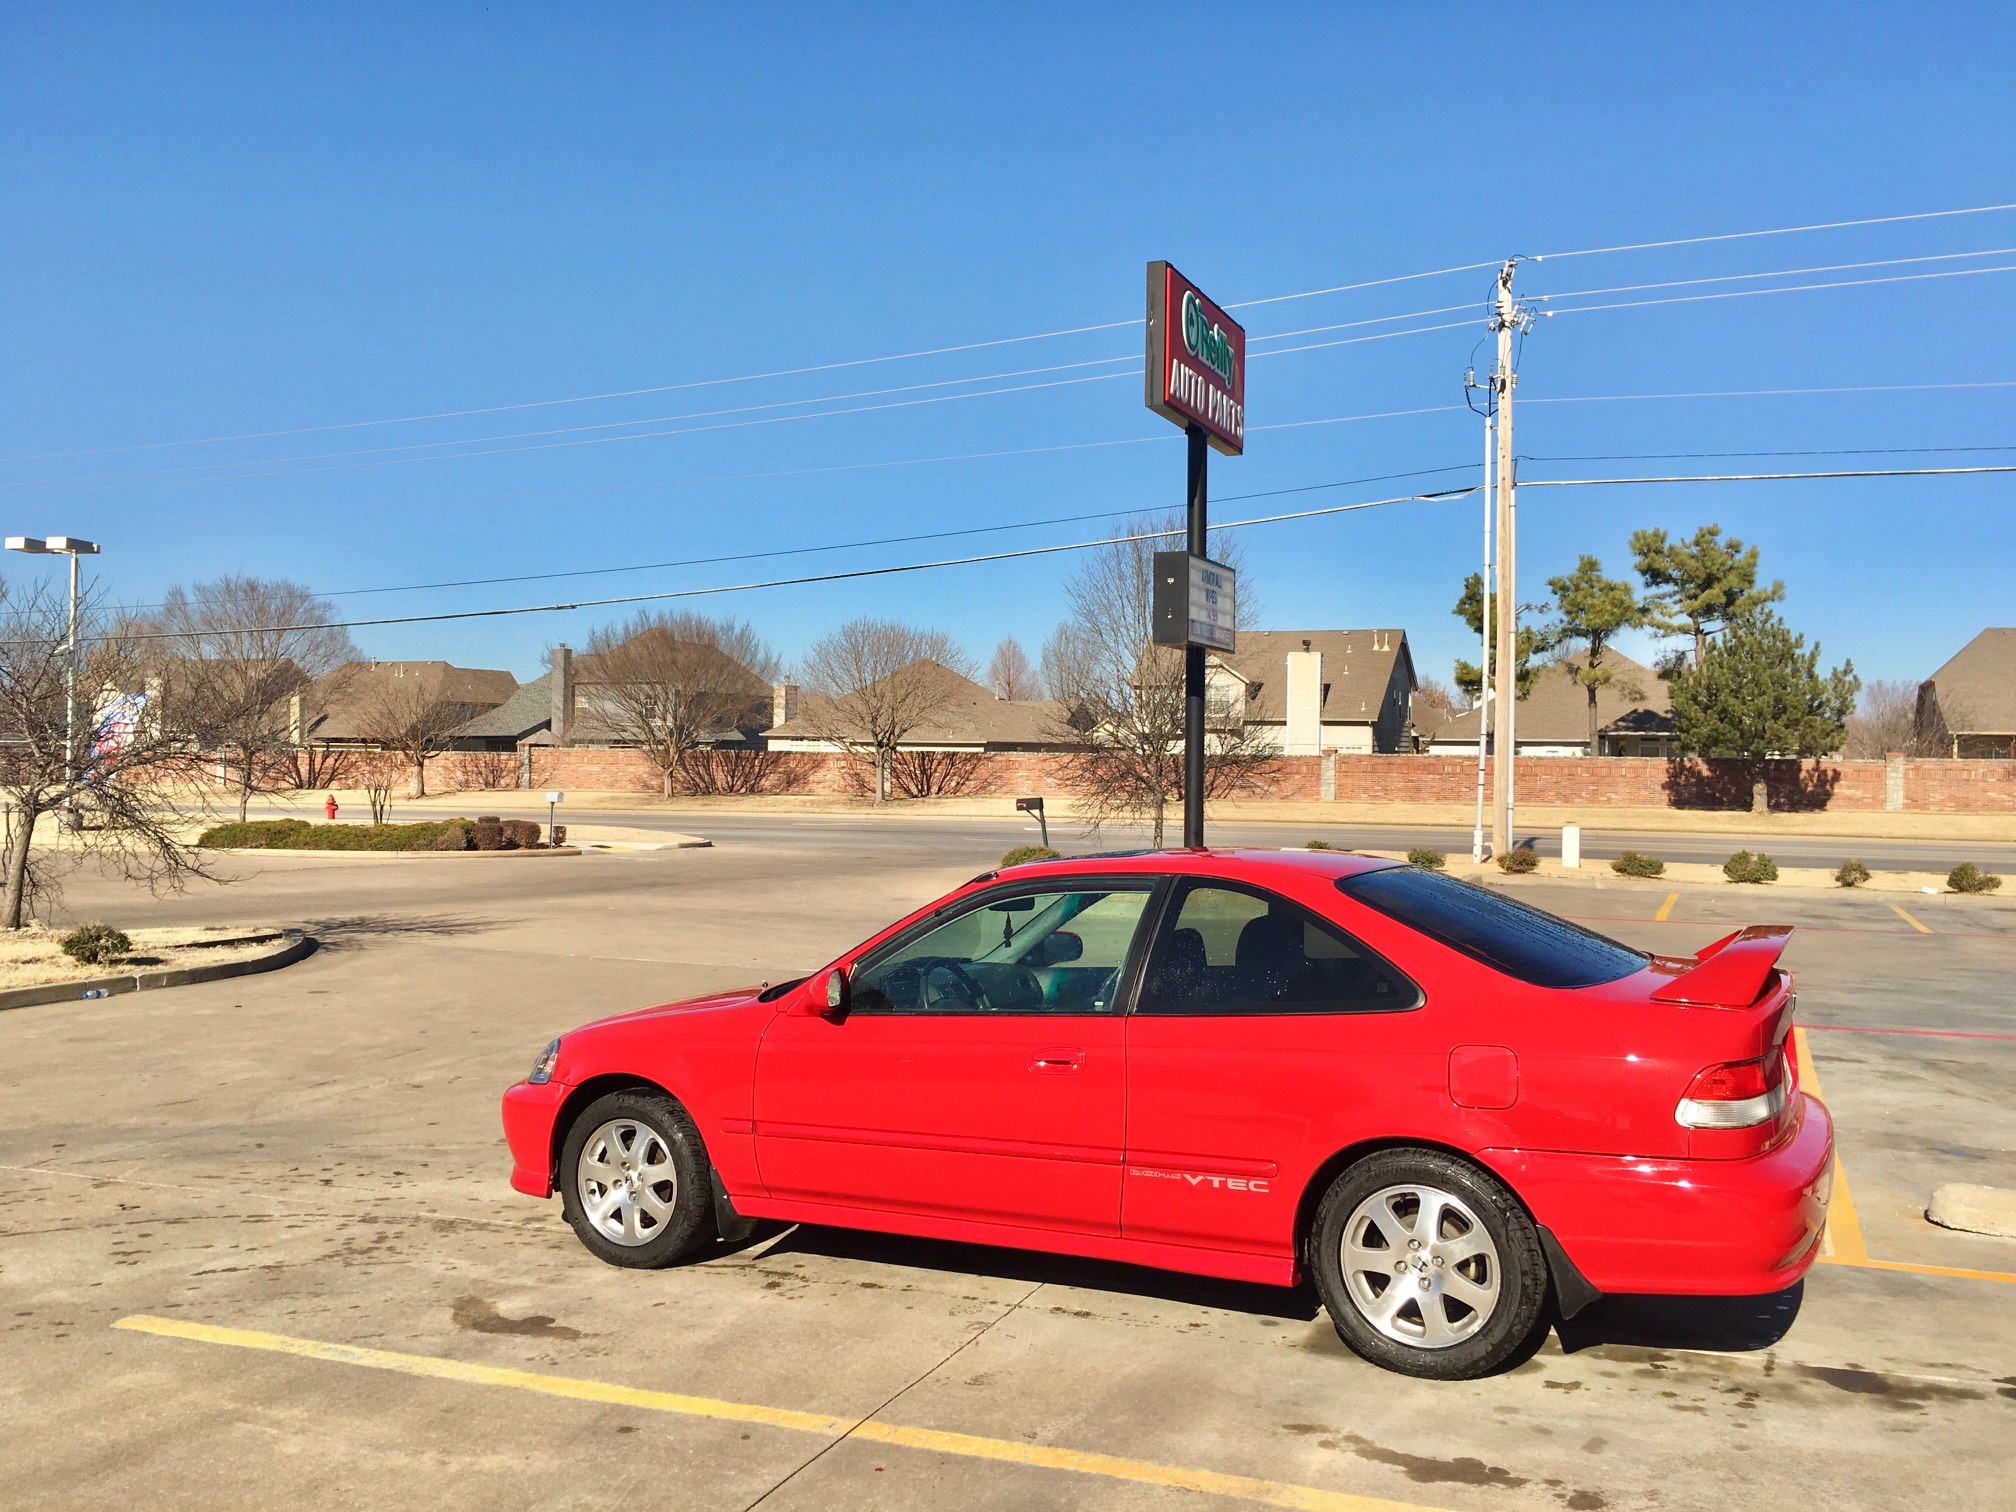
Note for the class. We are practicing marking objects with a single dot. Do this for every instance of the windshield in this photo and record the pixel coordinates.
(1521, 941)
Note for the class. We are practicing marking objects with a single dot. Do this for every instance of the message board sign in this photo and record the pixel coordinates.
(1195, 602)
(1196, 369)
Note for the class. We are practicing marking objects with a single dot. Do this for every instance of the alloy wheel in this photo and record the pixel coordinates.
(626, 1182)
(1420, 1266)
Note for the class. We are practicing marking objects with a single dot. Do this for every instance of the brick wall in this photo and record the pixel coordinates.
(1932, 786)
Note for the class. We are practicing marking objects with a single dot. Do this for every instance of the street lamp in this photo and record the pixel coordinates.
(72, 547)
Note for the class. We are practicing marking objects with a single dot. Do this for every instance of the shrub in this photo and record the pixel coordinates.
(299, 834)
(1321, 845)
(95, 944)
(488, 833)
(1518, 860)
(1969, 878)
(1631, 864)
(1022, 853)
(1431, 860)
(521, 834)
(1851, 874)
(1746, 867)
(454, 836)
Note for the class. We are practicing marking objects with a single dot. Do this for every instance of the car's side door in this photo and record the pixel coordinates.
(978, 1072)
(1258, 1028)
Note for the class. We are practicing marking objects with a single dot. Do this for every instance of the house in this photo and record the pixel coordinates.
(1634, 716)
(963, 716)
(1970, 702)
(1303, 692)
(574, 704)
(340, 707)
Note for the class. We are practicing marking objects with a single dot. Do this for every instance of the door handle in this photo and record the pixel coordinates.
(1057, 1062)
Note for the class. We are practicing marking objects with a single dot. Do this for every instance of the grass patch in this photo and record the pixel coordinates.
(299, 834)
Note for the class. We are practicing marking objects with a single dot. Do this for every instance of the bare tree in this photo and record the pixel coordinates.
(1009, 673)
(877, 682)
(120, 767)
(1890, 717)
(233, 655)
(378, 772)
(410, 717)
(671, 684)
(1123, 695)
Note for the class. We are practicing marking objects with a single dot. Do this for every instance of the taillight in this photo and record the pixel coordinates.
(1735, 1094)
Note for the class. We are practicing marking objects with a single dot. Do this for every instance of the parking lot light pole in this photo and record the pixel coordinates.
(72, 547)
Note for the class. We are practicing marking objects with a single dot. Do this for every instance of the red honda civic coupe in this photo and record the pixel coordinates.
(1459, 1115)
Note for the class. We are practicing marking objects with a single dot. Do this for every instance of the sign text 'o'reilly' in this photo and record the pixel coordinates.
(1196, 369)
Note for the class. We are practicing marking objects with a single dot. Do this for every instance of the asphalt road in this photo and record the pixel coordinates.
(313, 1159)
(984, 839)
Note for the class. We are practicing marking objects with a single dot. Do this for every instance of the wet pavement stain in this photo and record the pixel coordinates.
(480, 1315)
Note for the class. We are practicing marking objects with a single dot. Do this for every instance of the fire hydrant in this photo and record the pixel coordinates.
(329, 808)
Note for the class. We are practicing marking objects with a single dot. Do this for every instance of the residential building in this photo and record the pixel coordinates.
(1634, 716)
(341, 707)
(1303, 692)
(573, 705)
(964, 717)
(1970, 702)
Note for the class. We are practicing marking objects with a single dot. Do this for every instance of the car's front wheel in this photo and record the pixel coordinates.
(635, 1181)
(1428, 1265)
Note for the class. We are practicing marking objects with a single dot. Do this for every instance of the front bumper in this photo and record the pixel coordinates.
(1686, 1227)
(529, 1112)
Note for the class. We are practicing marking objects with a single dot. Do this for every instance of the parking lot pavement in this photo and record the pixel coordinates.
(302, 1176)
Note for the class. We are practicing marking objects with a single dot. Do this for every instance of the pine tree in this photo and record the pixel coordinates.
(1532, 645)
(1699, 586)
(1758, 693)
(1593, 609)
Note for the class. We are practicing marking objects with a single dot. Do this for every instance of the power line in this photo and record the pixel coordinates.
(1864, 451)
(668, 388)
(1898, 472)
(1683, 283)
(212, 469)
(98, 484)
(1854, 388)
(796, 582)
(894, 540)
(1696, 241)
(1849, 283)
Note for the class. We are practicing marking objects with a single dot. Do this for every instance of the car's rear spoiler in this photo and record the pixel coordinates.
(1730, 973)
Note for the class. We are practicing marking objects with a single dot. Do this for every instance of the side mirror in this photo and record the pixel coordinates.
(1062, 947)
(826, 995)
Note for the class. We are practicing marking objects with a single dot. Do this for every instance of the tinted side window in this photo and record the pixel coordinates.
(1511, 937)
(1227, 950)
(1036, 952)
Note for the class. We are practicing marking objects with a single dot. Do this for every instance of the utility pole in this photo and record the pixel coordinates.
(1485, 590)
(1507, 319)
(1193, 654)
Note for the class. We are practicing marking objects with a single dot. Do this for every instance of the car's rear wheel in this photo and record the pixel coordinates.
(1429, 1266)
(635, 1181)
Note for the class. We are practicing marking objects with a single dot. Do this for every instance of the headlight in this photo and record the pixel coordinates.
(542, 1068)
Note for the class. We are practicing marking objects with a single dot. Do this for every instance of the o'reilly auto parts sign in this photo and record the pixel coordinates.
(1196, 360)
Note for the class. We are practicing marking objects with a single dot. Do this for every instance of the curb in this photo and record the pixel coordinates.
(297, 946)
(386, 855)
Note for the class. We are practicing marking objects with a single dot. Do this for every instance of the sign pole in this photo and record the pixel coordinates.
(1193, 655)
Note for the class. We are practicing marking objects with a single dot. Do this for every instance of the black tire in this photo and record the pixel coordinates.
(1432, 1330)
(655, 1223)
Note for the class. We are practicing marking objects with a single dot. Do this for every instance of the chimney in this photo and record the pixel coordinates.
(1303, 735)
(563, 696)
(294, 731)
(783, 702)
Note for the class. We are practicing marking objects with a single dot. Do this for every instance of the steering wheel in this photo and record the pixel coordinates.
(967, 990)
(1024, 987)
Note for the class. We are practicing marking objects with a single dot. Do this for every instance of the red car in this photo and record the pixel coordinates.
(1459, 1115)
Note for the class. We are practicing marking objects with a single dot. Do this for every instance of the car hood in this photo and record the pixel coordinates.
(716, 1002)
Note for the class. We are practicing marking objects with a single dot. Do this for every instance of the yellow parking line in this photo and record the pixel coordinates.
(1666, 908)
(1843, 1244)
(1908, 919)
(971, 1446)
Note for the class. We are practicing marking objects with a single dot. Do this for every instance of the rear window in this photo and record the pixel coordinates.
(1518, 940)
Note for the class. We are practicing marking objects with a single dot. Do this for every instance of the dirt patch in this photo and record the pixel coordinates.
(33, 956)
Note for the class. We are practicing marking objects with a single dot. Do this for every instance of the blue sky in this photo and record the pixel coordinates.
(224, 220)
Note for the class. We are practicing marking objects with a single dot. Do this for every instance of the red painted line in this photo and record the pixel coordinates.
(1935, 1033)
